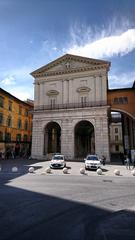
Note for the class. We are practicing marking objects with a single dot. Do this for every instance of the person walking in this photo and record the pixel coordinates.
(128, 162)
(103, 160)
(133, 160)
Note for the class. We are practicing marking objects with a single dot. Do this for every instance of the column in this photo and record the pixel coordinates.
(67, 139)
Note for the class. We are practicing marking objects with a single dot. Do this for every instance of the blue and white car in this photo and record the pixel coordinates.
(58, 161)
(92, 162)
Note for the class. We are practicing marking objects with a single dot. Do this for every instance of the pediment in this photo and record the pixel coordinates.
(69, 64)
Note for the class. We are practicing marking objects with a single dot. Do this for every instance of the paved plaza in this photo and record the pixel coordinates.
(73, 168)
(69, 206)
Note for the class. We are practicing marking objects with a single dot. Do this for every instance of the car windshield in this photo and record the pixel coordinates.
(92, 158)
(58, 158)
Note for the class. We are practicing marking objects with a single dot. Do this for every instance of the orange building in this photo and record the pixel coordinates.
(15, 125)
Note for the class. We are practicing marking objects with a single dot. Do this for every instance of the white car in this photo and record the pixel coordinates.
(58, 161)
(92, 162)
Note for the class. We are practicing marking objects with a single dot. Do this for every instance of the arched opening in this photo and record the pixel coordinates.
(84, 139)
(52, 138)
(122, 134)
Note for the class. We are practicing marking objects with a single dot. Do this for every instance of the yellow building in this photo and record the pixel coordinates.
(15, 125)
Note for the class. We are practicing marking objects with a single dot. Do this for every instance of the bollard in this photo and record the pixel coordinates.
(14, 169)
(117, 172)
(82, 170)
(99, 171)
(65, 170)
(133, 172)
(48, 170)
(31, 170)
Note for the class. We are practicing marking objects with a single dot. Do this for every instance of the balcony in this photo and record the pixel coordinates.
(70, 105)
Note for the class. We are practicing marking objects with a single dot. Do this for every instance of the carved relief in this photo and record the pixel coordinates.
(52, 93)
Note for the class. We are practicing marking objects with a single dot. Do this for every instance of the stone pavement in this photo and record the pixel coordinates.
(120, 225)
(73, 168)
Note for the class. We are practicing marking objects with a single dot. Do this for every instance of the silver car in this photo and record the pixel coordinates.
(92, 162)
(58, 161)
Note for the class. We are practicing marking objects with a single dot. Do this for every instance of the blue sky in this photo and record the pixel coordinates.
(35, 32)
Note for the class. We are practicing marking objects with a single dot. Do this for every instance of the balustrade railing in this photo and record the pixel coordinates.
(70, 105)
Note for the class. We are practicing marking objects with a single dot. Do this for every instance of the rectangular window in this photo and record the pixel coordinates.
(10, 106)
(1, 136)
(19, 124)
(53, 102)
(1, 118)
(26, 112)
(20, 110)
(9, 122)
(116, 130)
(120, 100)
(1, 101)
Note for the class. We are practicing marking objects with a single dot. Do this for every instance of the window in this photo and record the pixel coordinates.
(1, 101)
(19, 123)
(116, 130)
(20, 110)
(1, 136)
(10, 106)
(1, 118)
(26, 112)
(83, 100)
(120, 100)
(116, 138)
(18, 137)
(8, 137)
(53, 102)
(26, 125)
(9, 121)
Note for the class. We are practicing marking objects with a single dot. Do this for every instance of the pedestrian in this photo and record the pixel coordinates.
(103, 160)
(127, 161)
(134, 160)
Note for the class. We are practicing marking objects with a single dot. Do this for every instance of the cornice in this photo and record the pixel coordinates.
(72, 70)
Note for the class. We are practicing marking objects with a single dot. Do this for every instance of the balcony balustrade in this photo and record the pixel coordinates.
(70, 105)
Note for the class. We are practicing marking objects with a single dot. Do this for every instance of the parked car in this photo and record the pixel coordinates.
(92, 162)
(58, 161)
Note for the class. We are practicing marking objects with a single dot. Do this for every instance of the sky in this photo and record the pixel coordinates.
(36, 32)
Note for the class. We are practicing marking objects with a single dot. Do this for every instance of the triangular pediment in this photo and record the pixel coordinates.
(69, 64)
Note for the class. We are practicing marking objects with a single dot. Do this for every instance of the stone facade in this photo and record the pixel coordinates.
(70, 90)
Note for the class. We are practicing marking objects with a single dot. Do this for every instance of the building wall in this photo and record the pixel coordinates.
(12, 112)
(68, 89)
(116, 139)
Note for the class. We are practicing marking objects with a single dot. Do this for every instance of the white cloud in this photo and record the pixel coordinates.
(106, 46)
(124, 80)
(9, 80)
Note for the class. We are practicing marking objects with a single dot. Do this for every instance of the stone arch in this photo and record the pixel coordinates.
(127, 126)
(84, 138)
(122, 111)
(52, 138)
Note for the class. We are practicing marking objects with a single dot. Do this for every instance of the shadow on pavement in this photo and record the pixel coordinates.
(31, 215)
